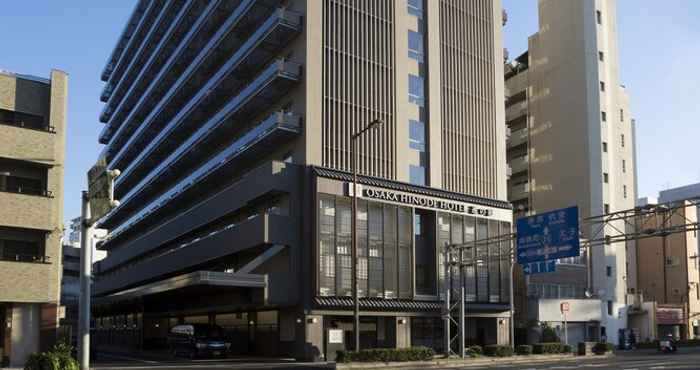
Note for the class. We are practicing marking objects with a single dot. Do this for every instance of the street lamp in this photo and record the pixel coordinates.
(375, 124)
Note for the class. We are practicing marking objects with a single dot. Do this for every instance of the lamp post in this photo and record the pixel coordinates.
(375, 124)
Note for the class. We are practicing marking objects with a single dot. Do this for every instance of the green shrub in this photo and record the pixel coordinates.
(498, 351)
(523, 350)
(58, 358)
(567, 348)
(547, 348)
(386, 355)
(474, 351)
(602, 348)
(549, 335)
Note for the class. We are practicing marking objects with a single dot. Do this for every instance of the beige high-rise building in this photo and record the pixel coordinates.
(571, 143)
(32, 152)
(232, 123)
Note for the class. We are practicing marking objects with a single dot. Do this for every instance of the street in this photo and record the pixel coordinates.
(686, 358)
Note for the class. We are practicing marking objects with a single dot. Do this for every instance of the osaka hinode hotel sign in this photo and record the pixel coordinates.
(420, 201)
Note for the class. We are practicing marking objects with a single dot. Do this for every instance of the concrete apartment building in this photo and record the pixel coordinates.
(667, 279)
(231, 122)
(33, 135)
(571, 142)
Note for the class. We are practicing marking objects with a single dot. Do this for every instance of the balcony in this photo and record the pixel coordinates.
(270, 178)
(519, 192)
(138, 45)
(518, 137)
(27, 211)
(516, 110)
(182, 31)
(18, 142)
(155, 8)
(127, 33)
(520, 164)
(271, 84)
(251, 147)
(258, 231)
(190, 61)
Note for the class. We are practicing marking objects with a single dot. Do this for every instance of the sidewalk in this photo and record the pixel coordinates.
(466, 363)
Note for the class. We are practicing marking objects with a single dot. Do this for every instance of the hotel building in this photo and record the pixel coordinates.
(231, 122)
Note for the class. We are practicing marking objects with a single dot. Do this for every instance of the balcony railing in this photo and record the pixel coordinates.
(518, 137)
(271, 133)
(27, 191)
(29, 258)
(30, 126)
(230, 77)
(520, 164)
(243, 105)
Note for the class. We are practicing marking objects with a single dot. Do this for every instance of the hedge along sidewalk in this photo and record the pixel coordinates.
(444, 363)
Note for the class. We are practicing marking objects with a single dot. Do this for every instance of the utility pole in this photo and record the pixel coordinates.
(96, 202)
(375, 124)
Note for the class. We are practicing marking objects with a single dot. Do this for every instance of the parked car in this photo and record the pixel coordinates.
(198, 340)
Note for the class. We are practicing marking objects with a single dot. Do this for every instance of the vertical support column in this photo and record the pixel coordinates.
(462, 314)
(446, 290)
(314, 349)
(85, 281)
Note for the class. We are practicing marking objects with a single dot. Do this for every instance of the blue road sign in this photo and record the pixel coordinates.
(540, 267)
(548, 236)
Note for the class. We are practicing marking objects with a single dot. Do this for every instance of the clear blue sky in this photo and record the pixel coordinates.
(658, 46)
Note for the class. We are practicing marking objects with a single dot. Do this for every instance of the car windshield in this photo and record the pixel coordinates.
(209, 332)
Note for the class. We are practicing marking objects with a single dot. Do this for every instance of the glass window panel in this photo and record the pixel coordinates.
(415, 7)
(327, 246)
(415, 45)
(416, 90)
(425, 254)
(390, 260)
(443, 238)
(362, 271)
(343, 247)
(494, 264)
(470, 269)
(505, 263)
(417, 175)
(405, 222)
(417, 135)
(482, 272)
(376, 252)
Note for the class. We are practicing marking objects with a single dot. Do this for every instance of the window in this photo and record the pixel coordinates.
(601, 57)
(605, 147)
(416, 87)
(622, 140)
(606, 178)
(624, 166)
(417, 175)
(415, 45)
(608, 271)
(622, 115)
(606, 208)
(603, 116)
(415, 7)
(624, 191)
(416, 135)
(599, 16)
(610, 308)
(602, 86)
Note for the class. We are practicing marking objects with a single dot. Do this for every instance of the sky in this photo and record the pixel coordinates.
(658, 61)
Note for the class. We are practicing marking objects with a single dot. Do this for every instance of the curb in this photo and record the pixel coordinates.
(462, 363)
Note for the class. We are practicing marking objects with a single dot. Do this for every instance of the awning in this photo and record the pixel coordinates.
(197, 278)
(407, 305)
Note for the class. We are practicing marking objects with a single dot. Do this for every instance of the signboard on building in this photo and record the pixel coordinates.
(101, 189)
(428, 202)
(540, 267)
(548, 236)
(564, 307)
(669, 316)
(335, 336)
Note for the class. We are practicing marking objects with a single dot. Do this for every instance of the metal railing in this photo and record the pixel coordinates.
(27, 191)
(23, 124)
(31, 258)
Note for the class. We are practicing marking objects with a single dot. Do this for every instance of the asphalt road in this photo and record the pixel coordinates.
(686, 358)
